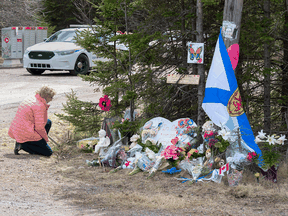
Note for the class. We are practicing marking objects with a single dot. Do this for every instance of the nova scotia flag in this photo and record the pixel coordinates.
(222, 101)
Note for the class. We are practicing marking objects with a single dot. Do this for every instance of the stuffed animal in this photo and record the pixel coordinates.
(208, 158)
(218, 163)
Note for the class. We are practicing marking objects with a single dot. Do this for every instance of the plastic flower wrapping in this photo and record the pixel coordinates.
(143, 162)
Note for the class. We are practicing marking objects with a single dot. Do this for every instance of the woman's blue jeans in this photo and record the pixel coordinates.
(39, 147)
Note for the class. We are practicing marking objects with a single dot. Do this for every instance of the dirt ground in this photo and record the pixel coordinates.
(64, 185)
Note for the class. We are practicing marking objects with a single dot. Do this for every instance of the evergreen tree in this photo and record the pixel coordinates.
(62, 13)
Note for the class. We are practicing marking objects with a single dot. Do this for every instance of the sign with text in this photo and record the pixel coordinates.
(185, 79)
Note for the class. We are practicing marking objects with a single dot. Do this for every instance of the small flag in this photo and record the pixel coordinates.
(223, 169)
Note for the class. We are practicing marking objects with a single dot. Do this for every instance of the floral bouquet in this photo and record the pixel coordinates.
(172, 153)
(270, 148)
(210, 138)
(217, 141)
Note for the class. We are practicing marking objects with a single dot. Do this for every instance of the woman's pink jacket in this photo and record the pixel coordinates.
(30, 120)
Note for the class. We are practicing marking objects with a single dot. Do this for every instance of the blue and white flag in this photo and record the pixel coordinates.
(222, 101)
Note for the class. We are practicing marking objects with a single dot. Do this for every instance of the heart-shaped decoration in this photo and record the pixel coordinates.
(233, 52)
(163, 131)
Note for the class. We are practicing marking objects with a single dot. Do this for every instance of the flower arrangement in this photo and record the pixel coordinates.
(270, 148)
(173, 154)
(251, 155)
(193, 153)
(217, 141)
(209, 137)
(134, 139)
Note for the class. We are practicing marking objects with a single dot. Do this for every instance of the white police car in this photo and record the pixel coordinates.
(59, 52)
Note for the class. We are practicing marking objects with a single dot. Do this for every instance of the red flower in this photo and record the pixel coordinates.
(251, 155)
(105, 103)
(127, 163)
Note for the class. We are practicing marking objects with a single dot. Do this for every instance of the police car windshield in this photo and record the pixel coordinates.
(62, 36)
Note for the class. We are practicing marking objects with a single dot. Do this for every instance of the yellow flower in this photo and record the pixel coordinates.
(257, 175)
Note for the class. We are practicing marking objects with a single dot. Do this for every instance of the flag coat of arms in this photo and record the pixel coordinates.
(222, 101)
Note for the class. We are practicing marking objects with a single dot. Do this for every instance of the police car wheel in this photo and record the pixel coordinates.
(81, 65)
(35, 71)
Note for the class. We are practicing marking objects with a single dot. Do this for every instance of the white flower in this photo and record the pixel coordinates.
(281, 140)
(271, 140)
(151, 155)
(262, 135)
(258, 140)
(134, 138)
(225, 134)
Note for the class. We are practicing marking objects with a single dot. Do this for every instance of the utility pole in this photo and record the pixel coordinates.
(233, 13)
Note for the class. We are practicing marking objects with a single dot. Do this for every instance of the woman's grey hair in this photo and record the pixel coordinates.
(46, 92)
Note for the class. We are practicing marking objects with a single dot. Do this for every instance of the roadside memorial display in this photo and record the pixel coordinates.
(228, 142)
(171, 146)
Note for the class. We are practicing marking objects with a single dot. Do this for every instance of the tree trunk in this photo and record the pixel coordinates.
(184, 41)
(130, 68)
(193, 11)
(284, 90)
(267, 80)
(201, 68)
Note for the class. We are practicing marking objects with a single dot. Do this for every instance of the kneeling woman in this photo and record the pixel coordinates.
(30, 126)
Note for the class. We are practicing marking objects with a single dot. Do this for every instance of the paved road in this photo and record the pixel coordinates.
(16, 84)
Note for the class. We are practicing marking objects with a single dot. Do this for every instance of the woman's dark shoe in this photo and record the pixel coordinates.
(17, 148)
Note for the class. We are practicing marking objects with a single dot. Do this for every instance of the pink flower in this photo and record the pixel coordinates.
(250, 155)
(105, 103)
(171, 152)
(196, 151)
(188, 144)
